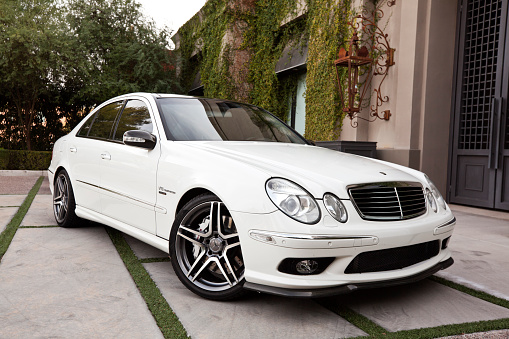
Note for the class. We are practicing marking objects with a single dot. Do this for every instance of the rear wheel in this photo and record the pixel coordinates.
(63, 202)
(205, 249)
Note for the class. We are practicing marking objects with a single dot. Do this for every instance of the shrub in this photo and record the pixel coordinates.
(24, 160)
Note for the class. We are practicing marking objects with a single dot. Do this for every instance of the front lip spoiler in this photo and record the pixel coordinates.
(343, 289)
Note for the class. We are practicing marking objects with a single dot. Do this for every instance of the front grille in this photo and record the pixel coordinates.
(388, 201)
(393, 258)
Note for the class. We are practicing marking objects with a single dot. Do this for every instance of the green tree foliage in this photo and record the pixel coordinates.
(120, 51)
(58, 59)
(31, 57)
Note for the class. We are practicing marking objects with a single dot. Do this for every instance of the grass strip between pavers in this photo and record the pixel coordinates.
(376, 331)
(356, 319)
(475, 293)
(48, 226)
(165, 318)
(11, 228)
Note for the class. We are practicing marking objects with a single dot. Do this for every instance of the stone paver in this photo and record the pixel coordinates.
(6, 214)
(142, 250)
(423, 304)
(11, 200)
(44, 189)
(500, 334)
(69, 283)
(480, 248)
(40, 212)
(257, 316)
(16, 184)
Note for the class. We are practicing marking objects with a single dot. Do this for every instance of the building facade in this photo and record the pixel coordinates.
(447, 90)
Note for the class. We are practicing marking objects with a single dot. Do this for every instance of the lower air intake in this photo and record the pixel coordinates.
(393, 258)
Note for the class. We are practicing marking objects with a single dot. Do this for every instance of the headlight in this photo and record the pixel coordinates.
(335, 207)
(436, 193)
(293, 200)
(431, 200)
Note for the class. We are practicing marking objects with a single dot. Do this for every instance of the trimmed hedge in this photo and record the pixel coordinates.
(24, 160)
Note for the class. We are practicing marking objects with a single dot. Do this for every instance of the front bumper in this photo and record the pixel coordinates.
(268, 239)
(343, 289)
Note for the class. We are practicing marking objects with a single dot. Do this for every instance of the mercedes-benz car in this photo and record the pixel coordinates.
(240, 201)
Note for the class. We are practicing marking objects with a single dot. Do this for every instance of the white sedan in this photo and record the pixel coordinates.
(239, 200)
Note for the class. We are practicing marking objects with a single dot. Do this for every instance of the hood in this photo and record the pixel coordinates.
(318, 170)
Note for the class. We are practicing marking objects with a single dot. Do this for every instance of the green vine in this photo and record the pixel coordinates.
(328, 30)
(269, 28)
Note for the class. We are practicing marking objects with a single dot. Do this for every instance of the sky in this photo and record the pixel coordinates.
(173, 13)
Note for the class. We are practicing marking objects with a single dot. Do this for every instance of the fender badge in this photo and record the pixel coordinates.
(163, 191)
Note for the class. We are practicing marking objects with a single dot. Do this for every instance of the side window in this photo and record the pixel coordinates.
(83, 132)
(135, 116)
(102, 122)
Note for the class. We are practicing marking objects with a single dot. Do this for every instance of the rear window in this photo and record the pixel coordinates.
(101, 123)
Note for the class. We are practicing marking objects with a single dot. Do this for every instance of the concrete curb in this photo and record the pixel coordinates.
(23, 173)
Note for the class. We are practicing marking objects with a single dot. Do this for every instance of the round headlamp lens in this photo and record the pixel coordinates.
(436, 193)
(335, 207)
(293, 200)
(431, 200)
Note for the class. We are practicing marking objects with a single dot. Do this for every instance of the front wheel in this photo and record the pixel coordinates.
(205, 249)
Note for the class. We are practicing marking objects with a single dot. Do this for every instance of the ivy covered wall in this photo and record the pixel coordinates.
(236, 44)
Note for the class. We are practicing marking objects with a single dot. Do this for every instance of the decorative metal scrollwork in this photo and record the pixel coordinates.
(372, 59)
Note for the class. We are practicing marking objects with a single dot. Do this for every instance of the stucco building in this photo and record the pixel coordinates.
(447, 90)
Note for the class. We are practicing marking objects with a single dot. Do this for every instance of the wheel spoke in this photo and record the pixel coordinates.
(196, 262)
(218, 262)
(187, 229)
(230, 222)
(207, 262)
(231, 268)
(61, 213)
(57, 200)
(190, 239)
(60, 185)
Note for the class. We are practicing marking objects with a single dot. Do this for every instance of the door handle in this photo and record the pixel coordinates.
(73, 149)
(105, 156)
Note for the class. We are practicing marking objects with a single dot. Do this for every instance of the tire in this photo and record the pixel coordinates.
(206, 255)
(64, 204)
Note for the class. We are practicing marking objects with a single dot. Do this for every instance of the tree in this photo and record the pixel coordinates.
(30, 57)
(123, 51)
(60, 58)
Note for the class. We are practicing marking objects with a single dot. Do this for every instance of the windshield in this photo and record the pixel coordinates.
(188, 119)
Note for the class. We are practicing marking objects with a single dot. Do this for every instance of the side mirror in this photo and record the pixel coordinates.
(140, 138)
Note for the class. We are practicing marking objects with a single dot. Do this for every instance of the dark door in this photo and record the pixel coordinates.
(480, 150)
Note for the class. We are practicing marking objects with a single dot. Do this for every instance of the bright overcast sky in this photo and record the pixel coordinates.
(172, 13)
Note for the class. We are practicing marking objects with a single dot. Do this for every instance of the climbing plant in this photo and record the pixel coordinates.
(271, 26)
(328, 30)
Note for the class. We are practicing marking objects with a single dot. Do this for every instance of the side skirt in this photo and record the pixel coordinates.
(151, 239)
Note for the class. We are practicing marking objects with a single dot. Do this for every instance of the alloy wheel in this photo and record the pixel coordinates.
(207, 248)
(61, 198)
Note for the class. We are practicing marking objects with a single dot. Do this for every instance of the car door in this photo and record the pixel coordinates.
(129, 172)
(85, 156)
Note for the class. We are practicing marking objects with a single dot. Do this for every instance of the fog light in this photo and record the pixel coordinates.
(306, 266)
